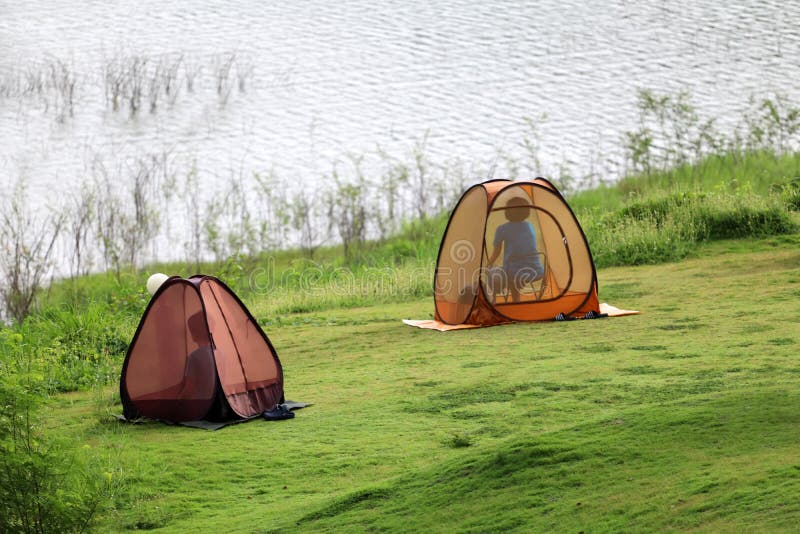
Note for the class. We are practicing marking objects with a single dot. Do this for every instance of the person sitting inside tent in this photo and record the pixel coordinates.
(517, 239)
(199, 375)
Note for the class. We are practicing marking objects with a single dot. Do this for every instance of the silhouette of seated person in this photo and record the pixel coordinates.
(199, 374)
(517, 240)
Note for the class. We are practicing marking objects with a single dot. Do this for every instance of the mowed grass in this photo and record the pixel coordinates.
(684, 417)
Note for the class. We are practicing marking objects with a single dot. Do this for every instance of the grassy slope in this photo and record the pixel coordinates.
(683, 417)
(759, 172)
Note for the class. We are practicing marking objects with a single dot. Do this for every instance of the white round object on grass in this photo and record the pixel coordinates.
(155, 281)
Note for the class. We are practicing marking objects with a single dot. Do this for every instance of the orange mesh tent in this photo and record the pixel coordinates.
(513, 251)
(199, 354)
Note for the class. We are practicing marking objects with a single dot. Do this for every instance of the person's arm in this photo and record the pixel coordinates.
(498, 246)
(494, 255)
(532, 230)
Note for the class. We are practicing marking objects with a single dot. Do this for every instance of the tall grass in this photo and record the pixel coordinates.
(760, 172)
(669, 228)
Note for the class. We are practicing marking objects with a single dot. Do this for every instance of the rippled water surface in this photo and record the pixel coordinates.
(325, 79)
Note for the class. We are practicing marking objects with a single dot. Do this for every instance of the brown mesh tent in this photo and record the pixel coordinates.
(513, 251)
(199, 354)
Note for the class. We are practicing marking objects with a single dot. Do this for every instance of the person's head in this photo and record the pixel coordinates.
(197, 328)
(517, 209)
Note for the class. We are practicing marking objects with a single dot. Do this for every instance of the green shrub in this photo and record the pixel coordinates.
(80, 347)
(458, 440)
(668, 228)
(789, 193)
(638, 241)
(44, 485)
(732, 217)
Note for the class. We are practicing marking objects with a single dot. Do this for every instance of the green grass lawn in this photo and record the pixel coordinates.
(686, 417)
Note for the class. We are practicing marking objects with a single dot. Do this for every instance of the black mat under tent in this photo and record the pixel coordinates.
(288, 406)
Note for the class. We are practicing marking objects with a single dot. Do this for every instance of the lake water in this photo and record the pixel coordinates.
(321, 80)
